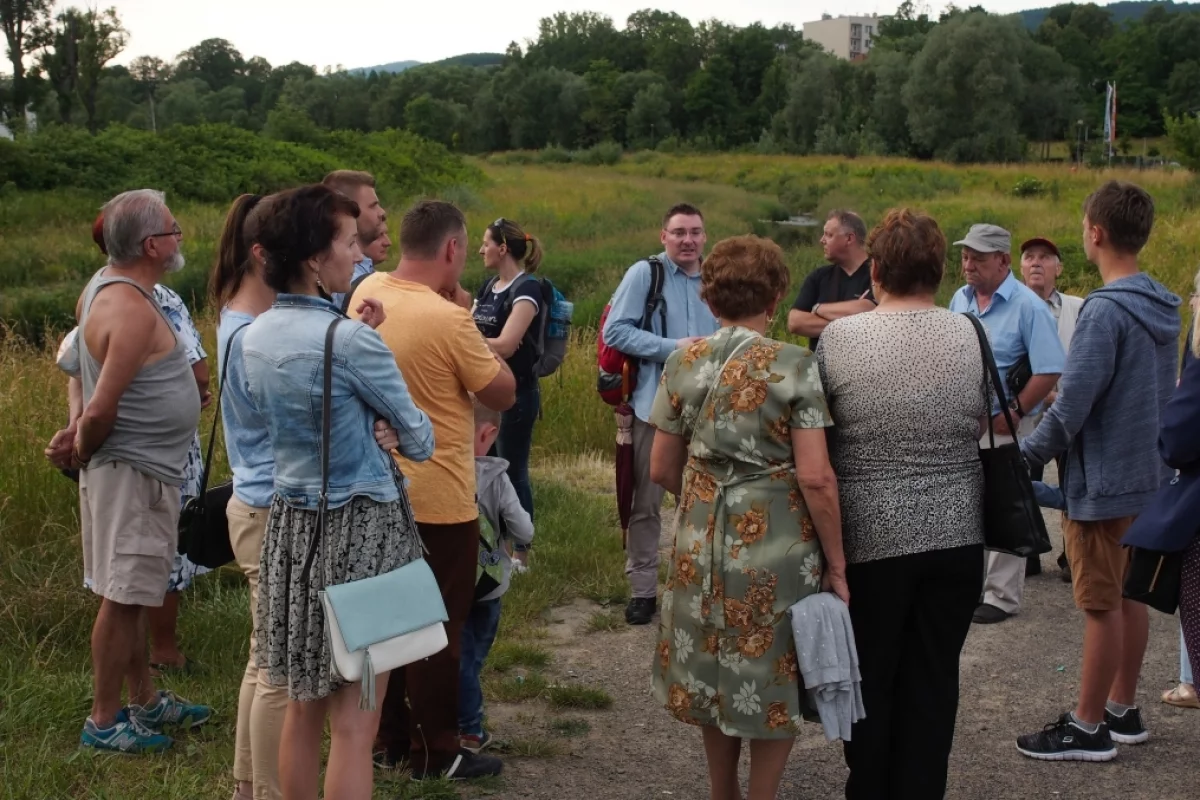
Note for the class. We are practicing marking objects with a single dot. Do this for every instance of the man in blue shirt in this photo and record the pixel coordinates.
(1019, 327)
(687, 319)
(372, 216)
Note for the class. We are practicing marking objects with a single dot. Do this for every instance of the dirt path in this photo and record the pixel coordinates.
(1016, 676)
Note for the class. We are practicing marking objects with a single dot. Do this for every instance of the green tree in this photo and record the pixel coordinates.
(710, 100)
(215, 61)
(102, 38)
(60, 61)
(150, 73)
(286, 123)
(436, 119)
(1184, 133)
(965, 90)
(26, 25)
(649, 118)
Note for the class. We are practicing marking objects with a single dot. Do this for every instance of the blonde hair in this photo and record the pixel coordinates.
(483, 414)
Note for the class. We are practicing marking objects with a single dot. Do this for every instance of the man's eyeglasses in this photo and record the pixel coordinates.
(175, 231)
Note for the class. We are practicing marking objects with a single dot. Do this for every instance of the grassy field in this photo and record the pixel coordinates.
(593, 223)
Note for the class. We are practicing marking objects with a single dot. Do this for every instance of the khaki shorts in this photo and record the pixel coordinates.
(130, 533)
(1098, 561)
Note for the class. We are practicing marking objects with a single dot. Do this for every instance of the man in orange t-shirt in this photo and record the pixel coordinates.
(444, 359)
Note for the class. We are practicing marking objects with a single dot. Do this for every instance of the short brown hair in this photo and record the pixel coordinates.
(687, 209)
(851, 222)
(1126, 213)
(348, 181)
(909, 252)
(427, 225)
(743, 276)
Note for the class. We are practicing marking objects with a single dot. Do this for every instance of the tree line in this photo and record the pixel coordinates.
(966, 86)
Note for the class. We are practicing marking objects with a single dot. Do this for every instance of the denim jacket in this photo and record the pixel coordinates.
(284, 351)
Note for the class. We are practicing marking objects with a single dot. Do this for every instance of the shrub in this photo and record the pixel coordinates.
(1029, 187)
(600, 155)
(554, 155)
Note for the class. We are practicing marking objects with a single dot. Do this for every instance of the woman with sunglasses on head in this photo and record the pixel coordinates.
(507, 312)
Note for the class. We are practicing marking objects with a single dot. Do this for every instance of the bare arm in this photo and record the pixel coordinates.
(818, 484)
(519, 320)
(125, 346)
(805, 323)
(846, 308)
(200, 370)
(1034, 392)
(74, 401)
(501, 393)
(668, 456)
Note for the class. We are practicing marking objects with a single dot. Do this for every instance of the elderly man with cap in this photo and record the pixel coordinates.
(1041, 267)
(1022, 332)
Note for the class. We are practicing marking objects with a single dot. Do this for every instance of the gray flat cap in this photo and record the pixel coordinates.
(984, 238)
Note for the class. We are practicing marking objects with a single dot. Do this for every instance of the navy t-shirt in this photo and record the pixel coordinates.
(492, 310)
(831, 284)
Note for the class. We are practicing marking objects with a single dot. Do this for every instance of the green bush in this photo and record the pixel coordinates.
(215, 163)
(1029, 187)
(604, 154)
(554, 155)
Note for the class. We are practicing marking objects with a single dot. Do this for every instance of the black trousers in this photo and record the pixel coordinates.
(911, 615)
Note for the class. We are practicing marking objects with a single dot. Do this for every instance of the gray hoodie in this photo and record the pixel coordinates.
(498, 502)
(1120, 372)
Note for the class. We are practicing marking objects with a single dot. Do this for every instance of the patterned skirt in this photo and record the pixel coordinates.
(362, 539)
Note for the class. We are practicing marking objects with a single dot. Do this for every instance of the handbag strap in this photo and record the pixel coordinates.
(212, 438)
(326, 404)
(989, 365)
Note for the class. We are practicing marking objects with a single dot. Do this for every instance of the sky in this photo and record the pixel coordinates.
(365, 33)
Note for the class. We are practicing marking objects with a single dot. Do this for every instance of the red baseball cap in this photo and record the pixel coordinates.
(1041, 241)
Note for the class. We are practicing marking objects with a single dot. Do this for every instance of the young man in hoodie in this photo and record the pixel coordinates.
(1120, 372)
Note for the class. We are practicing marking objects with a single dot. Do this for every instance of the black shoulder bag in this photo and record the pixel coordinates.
(203, 526)
(1012, 521)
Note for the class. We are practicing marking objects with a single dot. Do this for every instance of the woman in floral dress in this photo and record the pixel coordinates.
(740, 439)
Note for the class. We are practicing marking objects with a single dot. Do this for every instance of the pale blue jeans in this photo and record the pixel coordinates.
(1185, 665)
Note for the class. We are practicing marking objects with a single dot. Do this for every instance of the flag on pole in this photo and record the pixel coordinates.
(1110, 116)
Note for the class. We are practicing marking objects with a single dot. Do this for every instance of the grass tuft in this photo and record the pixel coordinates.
(605, 622)
(570, 726)
(582, 697)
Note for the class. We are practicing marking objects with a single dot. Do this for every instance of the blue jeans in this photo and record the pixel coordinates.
(477, 636)
(516, 440)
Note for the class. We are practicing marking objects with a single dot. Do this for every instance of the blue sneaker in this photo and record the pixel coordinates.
(126, 735)
(171, 710)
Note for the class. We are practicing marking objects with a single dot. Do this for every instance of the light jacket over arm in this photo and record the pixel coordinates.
(518, 526)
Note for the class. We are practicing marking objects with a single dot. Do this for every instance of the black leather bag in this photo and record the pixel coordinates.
(203, 526)
(1155, 579)
(1012, 521)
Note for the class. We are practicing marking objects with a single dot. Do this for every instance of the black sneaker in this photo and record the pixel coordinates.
(988, 614)
(1066, 741)
(466, 766)
(1033, 566)
(641, 610)
(1127, 728)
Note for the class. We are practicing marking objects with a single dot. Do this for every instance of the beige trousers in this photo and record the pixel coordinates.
(261, 706)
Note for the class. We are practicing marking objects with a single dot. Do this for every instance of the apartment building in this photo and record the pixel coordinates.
(845, 37)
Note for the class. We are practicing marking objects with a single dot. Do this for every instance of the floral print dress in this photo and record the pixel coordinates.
(745, 546)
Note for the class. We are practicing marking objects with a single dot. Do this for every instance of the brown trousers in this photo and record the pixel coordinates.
(419, 720)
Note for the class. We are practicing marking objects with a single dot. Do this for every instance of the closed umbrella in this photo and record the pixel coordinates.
(624, 467)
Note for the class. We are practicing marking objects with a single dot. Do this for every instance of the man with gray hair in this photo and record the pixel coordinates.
(842, 287)
(1025, 344)
(130, 438)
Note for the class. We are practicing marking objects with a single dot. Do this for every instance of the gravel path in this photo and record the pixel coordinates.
(1016, 676)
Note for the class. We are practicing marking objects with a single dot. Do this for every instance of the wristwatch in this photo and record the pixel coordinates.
(1014, 405)
(814, 309)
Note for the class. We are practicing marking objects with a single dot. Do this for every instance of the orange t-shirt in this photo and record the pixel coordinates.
(442, 356)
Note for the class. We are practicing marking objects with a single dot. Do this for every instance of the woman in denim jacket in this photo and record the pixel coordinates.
(310, 240)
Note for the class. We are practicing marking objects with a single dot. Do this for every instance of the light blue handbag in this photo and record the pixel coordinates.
(376, 624)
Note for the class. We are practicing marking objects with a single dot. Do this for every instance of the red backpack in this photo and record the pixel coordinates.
(618, 371)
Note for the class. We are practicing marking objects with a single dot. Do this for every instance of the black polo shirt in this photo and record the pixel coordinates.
(831, 284)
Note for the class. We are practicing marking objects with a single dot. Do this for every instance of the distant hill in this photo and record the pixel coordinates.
(1121, 12)
(464, 60)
